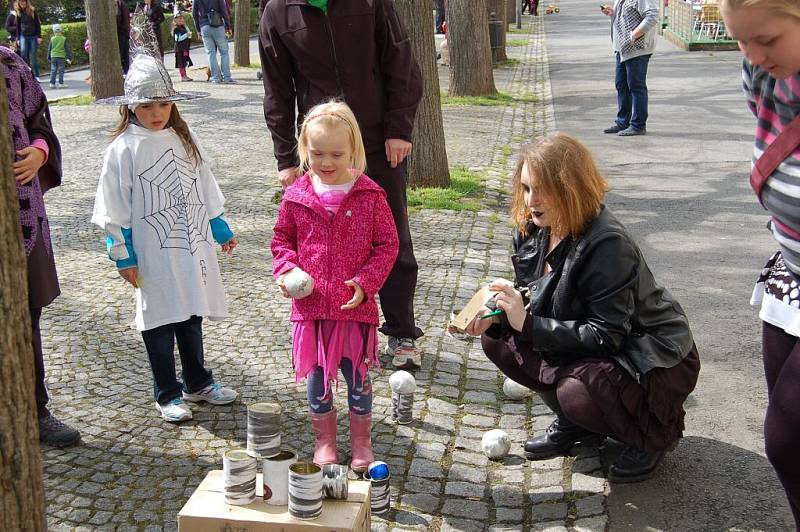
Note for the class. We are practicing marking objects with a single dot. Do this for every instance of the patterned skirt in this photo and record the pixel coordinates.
(777, 293)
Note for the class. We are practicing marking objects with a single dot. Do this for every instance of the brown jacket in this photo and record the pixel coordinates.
(358, 51)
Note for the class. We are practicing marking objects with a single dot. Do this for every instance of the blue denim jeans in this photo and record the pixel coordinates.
(28, 46)
(631, 84)
(359, 392)
(160, 344)
(57, 70)
(215, 40)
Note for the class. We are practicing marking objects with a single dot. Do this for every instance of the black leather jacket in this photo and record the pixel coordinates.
(601, 300)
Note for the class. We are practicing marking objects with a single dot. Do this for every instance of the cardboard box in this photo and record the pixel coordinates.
(206, 511)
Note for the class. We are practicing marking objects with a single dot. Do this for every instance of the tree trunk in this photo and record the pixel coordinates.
(241, 34)
(470, 53)
(511, 11)
(499, 9)
(22, 493)
(106, 68)
(427, 165)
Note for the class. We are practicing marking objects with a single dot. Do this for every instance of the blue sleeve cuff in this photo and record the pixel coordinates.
(221, 231)
(131, 261)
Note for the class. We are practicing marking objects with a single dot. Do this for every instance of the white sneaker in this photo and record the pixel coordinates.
(405, 353)
(62, 85)
(175, 411)
(52, 85)
(214, 394)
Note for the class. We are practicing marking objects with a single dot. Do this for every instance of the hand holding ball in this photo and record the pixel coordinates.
(495, 444)
(298, 283)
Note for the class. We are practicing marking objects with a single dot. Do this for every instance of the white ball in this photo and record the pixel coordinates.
(495, 444)
(514, 390)
(298, 283)
(402, 382)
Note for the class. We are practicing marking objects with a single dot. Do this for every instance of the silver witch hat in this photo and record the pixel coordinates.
(147, 79)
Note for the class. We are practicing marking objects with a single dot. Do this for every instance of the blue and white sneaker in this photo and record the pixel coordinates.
(214, 394)
(175, 411)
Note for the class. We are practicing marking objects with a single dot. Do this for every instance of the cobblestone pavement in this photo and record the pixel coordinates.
(134, 471)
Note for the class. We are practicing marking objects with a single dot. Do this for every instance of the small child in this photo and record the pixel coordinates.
(58, 53)
(160, 207)
(183, 40)
(335, 224)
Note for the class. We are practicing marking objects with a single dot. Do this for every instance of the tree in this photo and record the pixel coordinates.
(499, 7)
(427, 165)
(106, 67)
(470, 53)
(241, 34)
(22, 493)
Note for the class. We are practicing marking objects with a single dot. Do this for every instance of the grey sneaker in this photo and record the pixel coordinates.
(214, 394)
(175, 411)
(615, 128)
(54, 432)
(405, 353)
(632, 132)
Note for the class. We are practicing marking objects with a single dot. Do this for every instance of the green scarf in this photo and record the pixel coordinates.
(321, 4)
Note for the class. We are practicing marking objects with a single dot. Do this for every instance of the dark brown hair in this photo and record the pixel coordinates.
(175, 122)
(567, 176)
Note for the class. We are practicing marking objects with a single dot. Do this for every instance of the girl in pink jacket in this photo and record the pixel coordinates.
(335, 225)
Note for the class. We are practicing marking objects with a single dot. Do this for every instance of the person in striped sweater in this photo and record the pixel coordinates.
(768, 32)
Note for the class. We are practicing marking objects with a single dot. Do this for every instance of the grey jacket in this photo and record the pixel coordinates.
(627, 16)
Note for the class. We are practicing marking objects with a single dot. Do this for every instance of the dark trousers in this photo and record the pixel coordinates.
(124, 49)
(160, 345)
(38, 359)
(397, 294)
(782, 424)
(631, 84)
(440, 15)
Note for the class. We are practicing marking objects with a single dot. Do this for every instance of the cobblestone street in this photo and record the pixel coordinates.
(134, 471)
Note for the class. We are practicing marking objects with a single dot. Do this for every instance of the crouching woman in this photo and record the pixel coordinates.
(585, 324)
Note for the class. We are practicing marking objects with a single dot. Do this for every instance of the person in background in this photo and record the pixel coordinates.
(59, 54)
(155, 14)
(213, 19)
(123, 33)
(23, 24)
(183, 40)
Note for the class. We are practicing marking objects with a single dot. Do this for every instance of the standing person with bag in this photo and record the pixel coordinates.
(212, 17)
(359, 52)
(768, 32)
(24, 26)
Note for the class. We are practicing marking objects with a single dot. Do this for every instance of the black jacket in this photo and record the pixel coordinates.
(601, 301)
(24, 24)
(358, 51)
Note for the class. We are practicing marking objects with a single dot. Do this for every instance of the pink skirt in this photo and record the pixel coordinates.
(325, 343)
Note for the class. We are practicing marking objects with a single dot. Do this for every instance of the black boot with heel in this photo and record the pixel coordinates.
(560, 436)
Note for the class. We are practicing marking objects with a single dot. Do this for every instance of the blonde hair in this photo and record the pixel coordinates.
(29, 9)
(567, 177)
(780, 7)
(175, 122)
(331, 114)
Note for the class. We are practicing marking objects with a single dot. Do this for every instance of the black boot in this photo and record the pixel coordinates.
(634, 465)
(560, 436)
(54, 432)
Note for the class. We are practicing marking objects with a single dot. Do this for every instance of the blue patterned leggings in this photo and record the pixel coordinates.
(359, 393)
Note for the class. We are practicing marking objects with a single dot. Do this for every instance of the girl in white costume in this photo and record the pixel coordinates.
(162, 211)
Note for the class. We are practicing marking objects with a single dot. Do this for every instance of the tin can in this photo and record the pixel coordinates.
(239, 476)
(275, 477)
(379, 477)
(264, 429)
(305, 490)
(334, 481)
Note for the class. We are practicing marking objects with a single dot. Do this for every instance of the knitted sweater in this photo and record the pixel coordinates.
(629, 15)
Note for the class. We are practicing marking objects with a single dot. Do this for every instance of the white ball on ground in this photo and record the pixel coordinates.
(402, 382)
(298, 283)
(495, 444)
(514, 390)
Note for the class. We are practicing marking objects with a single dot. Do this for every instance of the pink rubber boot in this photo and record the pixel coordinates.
(361, 441)
(324, 437)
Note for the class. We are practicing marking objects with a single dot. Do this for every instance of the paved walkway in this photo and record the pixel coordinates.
(134, 471)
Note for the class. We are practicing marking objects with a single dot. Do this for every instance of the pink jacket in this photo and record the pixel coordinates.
(359, 243)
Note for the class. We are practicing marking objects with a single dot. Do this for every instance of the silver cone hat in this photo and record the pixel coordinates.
(148, 81)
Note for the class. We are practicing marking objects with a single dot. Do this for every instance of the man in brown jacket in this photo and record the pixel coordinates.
(358, 51)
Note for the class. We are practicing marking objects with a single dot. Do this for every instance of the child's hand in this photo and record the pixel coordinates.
(229, 245)
(358, 295)
(69, 61)
(282, 286)
(26, 168)
(131, 275)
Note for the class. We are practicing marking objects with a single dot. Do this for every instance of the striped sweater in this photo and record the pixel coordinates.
(775, 103)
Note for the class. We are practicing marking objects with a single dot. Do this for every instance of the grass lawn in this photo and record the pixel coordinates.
(465, 193)
(495, 99)
(81, 99)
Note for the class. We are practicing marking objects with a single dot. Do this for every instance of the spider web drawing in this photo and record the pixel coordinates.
(172, 203)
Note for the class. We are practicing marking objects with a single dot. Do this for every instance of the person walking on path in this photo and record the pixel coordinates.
(213, 19)
(335, 215)
(59, 54)
(24, 27)
(768, 32)
(155, 14)
(633, 38)
(365, 59)
(162, 211)
(585, 324)
(183, 40)
(124, 33)
(37, 168)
